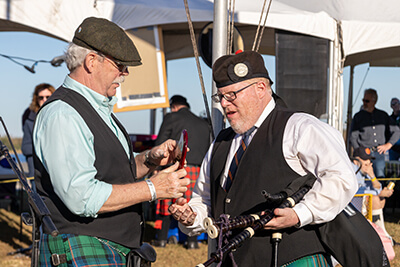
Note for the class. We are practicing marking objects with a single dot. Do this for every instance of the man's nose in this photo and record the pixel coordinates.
(224, 102)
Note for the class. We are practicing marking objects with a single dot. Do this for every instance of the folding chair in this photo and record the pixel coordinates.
(363, 202)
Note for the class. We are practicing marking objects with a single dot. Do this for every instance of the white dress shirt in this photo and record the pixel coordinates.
(309, 146)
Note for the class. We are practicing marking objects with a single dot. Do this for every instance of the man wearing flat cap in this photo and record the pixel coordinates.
(267, 147)
(85, 168)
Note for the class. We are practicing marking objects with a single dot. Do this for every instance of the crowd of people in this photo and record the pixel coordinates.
(375, 129)
(93, 183)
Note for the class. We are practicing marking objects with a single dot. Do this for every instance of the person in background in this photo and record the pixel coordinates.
(41, 93)
(373, 128)
(394, 152)
(278, 146)
(368, 184)
(85, 169)
(198, 141)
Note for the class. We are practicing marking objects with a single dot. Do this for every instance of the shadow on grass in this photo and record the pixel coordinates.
(10, 233)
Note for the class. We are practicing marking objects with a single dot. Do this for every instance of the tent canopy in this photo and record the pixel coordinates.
(370, 29)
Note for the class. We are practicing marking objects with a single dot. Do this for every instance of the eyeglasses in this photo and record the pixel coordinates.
(366, 100)
(230, 96)
(43, 97)
(116, 64)
(119, 66)
(394, 103)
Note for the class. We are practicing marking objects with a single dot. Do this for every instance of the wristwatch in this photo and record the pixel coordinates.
(147, 161)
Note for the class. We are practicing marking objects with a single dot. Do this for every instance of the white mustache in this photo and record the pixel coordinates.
(120, 79)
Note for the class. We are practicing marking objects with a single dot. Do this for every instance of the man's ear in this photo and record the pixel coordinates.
(90, 62)
(262, 89)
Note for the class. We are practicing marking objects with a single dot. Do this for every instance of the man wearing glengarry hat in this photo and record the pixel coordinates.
(280, 146)
(85, 169)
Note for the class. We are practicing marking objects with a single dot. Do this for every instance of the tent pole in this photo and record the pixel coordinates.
(152, 121)
(220, 29)
(349, 109)
(218, 49)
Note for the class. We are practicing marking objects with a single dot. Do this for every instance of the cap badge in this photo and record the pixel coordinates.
(80, 29)
(241, 70)
(368, 151)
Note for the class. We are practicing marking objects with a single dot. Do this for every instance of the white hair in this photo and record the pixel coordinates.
(75, 56)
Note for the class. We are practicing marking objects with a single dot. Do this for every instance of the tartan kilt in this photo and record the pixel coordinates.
(81, 250)
(192, 174)
(316, 260)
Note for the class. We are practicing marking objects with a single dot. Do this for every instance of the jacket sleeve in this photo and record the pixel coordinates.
(27, 143)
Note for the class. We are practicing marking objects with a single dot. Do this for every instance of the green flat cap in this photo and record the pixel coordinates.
(108, 38)
(243, 66)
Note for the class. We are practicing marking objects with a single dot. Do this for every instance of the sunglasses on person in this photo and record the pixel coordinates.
(116, 64)
(119, 66)
(394, 103)
(43, 97)
(366, 100)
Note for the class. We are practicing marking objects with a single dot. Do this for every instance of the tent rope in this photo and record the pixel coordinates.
(231, 21)
(196, 55)
(359, 90)
(258, 36)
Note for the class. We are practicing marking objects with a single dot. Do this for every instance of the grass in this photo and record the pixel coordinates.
(171, 255)
(17, 142)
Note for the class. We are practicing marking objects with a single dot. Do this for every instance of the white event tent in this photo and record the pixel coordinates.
(360, 31)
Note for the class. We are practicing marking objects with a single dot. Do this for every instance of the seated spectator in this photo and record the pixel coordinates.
(368, 184)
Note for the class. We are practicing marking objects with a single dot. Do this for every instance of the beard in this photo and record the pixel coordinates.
(238, 127)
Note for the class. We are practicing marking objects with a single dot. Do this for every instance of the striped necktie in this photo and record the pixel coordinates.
(236, 158)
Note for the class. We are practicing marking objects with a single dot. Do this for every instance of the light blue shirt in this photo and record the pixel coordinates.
(364, 183)
(64, 144)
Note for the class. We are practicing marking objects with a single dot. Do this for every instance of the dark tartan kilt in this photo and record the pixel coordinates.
(192, 174)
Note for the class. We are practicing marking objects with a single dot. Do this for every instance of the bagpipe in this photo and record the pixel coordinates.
(349, 238)
(40, 214)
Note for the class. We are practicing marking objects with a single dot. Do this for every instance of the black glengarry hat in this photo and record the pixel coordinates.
(108, 38)
(232, 69)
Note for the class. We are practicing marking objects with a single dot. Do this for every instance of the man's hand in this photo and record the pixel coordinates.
(169, 183)
(367, 169)
(284, 218)
(182, 212)
(383, 148)
(386, 192)
(163, 154)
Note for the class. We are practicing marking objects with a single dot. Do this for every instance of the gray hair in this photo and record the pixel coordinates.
(75, 55)
(372, 92)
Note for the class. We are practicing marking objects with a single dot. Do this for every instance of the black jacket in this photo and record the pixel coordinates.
(198, 133)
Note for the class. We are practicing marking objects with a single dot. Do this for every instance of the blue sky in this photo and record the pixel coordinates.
(17, 83)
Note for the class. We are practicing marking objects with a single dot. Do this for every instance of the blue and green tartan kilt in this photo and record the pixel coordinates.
(317, 260)
(81, 250)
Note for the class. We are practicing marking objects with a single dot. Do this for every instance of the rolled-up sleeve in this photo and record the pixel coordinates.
(64, 144)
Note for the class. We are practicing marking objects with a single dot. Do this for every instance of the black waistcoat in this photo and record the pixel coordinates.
(113, 166)
(262, 167)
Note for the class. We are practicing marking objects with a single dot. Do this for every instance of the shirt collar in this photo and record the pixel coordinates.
(95, 99)
(267, 110)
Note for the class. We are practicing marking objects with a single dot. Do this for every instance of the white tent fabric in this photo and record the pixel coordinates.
(367, 25)
(360, 31)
